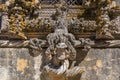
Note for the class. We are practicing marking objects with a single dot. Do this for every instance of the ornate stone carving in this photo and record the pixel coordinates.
(103, 30)
(103, 20)
(114, 25)
(11, 44)
(19, 14)
(60, 52)
(60, 55)
(37, 44)
(82, 25)
(24, 19)
(86, 43)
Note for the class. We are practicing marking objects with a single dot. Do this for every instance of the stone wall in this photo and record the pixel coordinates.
(118, 2)
(21, 64)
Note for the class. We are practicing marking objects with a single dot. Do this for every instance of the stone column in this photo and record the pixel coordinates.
(4, 22)
(117, 2)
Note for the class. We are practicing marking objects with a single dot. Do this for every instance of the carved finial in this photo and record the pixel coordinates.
(103, 20)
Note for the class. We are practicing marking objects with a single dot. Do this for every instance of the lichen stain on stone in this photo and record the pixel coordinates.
(56, 77)
(88, 59)
(21, 65)
(94, 68)
(4, 73)
(89, 68)
(99, 63)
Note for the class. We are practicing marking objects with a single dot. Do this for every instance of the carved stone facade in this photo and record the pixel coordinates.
(55, 36)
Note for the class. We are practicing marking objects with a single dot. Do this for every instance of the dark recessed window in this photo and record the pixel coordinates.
(3, 1)
(74, 2)
(49, 1)
(69, 2)
(0, 20)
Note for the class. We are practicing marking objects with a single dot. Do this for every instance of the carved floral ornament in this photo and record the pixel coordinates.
(21, 17)
(60, 56)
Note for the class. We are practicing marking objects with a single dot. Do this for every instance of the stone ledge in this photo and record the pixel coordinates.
(42, 35)
(25, 44)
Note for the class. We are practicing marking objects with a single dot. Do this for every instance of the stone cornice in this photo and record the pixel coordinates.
(42, 35)
(93, 44)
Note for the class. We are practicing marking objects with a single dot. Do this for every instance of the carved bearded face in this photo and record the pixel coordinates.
(61, 51)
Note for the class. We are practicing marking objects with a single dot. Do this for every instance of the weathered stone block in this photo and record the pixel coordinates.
(99, 64)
